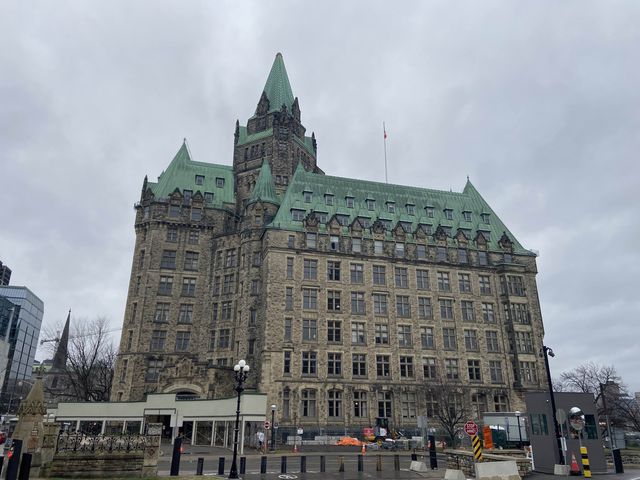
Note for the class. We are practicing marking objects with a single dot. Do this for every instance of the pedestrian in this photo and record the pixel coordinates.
(260, 436)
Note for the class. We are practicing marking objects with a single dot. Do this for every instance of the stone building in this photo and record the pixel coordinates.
(348, 298)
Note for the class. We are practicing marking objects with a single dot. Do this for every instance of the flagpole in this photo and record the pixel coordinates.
(384, 130)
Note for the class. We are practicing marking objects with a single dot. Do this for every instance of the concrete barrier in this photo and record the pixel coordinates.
(497, 470)
(417, 466)
(451, 474)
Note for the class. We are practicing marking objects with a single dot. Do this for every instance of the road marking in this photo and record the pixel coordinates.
(288, 476)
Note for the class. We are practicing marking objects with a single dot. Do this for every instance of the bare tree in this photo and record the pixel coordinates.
(629, 411)
(89, 369)
(448, 401)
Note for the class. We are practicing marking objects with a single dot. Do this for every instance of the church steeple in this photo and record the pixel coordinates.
(62, 350)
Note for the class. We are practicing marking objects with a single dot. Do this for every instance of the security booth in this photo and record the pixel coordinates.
(546, 449)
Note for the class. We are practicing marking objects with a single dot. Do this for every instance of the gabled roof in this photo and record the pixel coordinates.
(278, 88)
(264, 190)
(181, 174)
(467, 200)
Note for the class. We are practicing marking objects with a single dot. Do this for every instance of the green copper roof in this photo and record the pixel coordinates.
(244, 137)
(469, 201)
(264, 190)
(182, 172)
(278, 88)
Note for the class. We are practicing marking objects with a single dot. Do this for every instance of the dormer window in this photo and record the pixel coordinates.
(427, 229)
(297, 215)
(428, 211)
(371, 204)
(328, 199)
(199, 179)
(321, 216)
(485, 218)
(219, 182)
(486, 234)
(391, 207)
(366, 222)
(342, 219)
(411, 209)
(448, 213)
(308, 196)
(208, 197)
(467, 216)
(406, 226)
(349, 202)
(186, 196)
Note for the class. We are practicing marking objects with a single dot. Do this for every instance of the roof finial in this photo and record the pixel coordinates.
(467, 177)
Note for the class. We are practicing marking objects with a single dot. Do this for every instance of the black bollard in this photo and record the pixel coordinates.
(360, 463)
(25, 467)
(396, 463)
(414, 457)
(341, 464)
(323, 464)
(200, 466)
(14, 459)
(433, 459)
(1, 463)
(617, 460)
(263, 464)
(175, 457)
(221, 466)
(283, 464)
(303, 464)
(243, 465)
(379, 463)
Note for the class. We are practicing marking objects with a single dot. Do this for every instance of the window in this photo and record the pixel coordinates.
(449, 338)
(411, 209)
(253, 316)
(426, 338)
(291, 241)
(224, 338)
(467, 310)
(384, 404)
(208, 197)
(466, 215)
(165, 286)
(182, 341)
(408, 404)
(158, 338)
(311, 240)
(441, 254)
(380, 304)
(334, 403)
(256, 259)
(528, 372)
(399, 250)
(383, 366)
(391, 207)
(401, 277)
(487, 313)
(309, 298)
(141, 259)
(309, 330)
(349, 202)
(500, 403)
(482, 258)
(308, 196)
(216, 285)
(485, 284)
(429, 211)
(451, 368)
(334, 331)
(212, 340)
(357, 303)
(357, 273)
(446, 309)
(129, 340)
(485, 217)
(443, 282)
(333, 300)
(310, 269)
(462, 256)
(321, 216)
(289, 268)
(288, 298)
(492, 341)
(214, 313)
(448, 214)
(356, 245)
(524, 342)
(230, 258)
(174, 211)
(514, 285)
(360, 409)
(333, 270)
(186, 313)
(406, 367)
(187, 194)
(422, 279)
(495, 371)
(219, 182)
(359, 365)
(429, 368)
(162, 313)
(226, 310)
(520, 313)
(539, 424)
(358, 334)
(379, 275)
(421, 252)
(191, 260)
(334, 364)
(308, 403)
(286, 363)
(255, 287)
(227, 283)
(371, 204)
(154, 367)
(403, 307)
(188, 287)
(328, 199)
(424, 307)
(404, 336)
(309, 363)
(288, 328)
(471, 340)
(168, 259)
(196, 214)
(464, 282)
(297, 215)
(377, 247)
(381, 334)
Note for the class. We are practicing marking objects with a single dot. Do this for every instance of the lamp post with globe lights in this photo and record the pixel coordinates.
(240, 373)
(273, 428)
(518, 413)
(546, 353)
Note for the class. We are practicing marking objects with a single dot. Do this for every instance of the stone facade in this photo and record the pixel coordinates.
(347, 298)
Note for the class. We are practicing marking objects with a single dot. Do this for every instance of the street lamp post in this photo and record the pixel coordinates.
(240, 372)
(519, 430)
(273, 428)
(546, 351)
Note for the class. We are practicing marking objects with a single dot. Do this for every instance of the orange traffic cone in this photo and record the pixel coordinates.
(575, 470)
(295, 448)
(364, 449)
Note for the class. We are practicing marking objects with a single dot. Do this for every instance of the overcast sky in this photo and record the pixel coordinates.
(538, 102)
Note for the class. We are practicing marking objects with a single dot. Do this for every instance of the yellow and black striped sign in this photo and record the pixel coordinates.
(477, 448)
(586, 470)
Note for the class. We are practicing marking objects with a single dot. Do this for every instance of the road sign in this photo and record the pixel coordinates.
(267, 425)
(471, 428)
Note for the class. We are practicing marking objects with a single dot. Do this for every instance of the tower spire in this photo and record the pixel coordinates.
(277, 88)
(62, 350)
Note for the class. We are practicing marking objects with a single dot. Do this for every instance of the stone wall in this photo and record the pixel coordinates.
(463, 460)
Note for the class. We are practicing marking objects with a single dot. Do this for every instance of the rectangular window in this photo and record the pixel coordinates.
(485, 284)
(488, 314)
(174, 211)
(309, 298)
(399, 250)
(188, 287)
(255, 287)
(449, 338)
(408, 404)
(162, 313)
(451, 368)
(424, 308)
(186, 313)
(360, 409)
(401, 276)
(464, 282)
(208, 197)
(154, 367)
(377, 247)
(256, 259)
(141, 259)
(371, 204)
(443, 282)
(539, 424)
(225, 313)
(196, 214)
(381, 334)
(403, 307)
(359, 365)
(230, 258)
(427, 341)
(421, 252)
(482, 258)
(168, 259)
(228, 283)
(404, 336)
(334, 331)
(500, 403)
(384, 404)
(380, 304)
(358, 333)
(473, 366)
(520, 313)
(441, 254)
(383, 366)
(391, 207)
(422, 279)
(289, 268)
(165, 286)
(528, 372)
(406, 367)
(224, 338)
(191, 260)
(328, 199)
(357, 303)
(212, 340)
(471, 340)
(334, 241)
(310, 269)
(524, 342)
(446, 308)
(495, 371)
(158, 339)
(379, 275)
(492, 341)
(357, 273)
(286, 363)
(309, 363)
(311, 240)
(333, 271)
(199, 179)
(429, 368)
(333, 300)
(462, 256)
(308, 196)
(349, 202)
(129, 340)
(219, 182)
(334, 364)
(308, 403)
(291, 241)
(288, 298)
(309, 330)
(182, 341)
(411, 209)
(288, 329)
(468, 314)
(356, 245)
